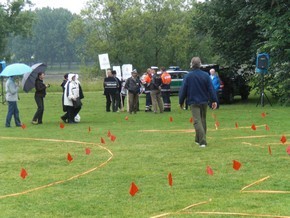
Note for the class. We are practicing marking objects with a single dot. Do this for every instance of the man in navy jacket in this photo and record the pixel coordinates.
(197, 90)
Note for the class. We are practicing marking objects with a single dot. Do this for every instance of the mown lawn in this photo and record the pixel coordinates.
(147, 148)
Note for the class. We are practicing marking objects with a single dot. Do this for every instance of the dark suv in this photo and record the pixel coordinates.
(232, 83)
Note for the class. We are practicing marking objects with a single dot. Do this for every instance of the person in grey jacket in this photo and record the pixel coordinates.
(197, 88)
(12, 98)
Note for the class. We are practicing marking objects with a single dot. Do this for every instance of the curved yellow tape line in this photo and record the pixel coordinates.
(182, 210)
(240, 214)
(61, 181)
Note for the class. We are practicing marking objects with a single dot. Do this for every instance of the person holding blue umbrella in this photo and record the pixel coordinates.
(12, 98)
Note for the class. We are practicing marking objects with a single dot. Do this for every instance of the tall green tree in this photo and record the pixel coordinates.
(14, 21)
(49, 42)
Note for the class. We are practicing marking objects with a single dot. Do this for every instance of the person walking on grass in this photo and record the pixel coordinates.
(12, 98)
(197, 88)
(40, 93)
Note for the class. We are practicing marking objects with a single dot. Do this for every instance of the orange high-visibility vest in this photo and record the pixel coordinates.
(166, 78)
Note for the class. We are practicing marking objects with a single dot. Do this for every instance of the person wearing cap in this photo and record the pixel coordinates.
(197, 88)
(117, 101)
(156, 91)
(133, 85)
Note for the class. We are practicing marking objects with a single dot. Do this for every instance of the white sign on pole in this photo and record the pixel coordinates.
(104, 61)
(118, 70)
(127, 70)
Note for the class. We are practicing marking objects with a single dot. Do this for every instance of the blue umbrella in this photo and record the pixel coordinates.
(28, 80)
(16, 69)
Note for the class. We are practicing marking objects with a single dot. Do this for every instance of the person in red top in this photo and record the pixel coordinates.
(165, 89)
(146, 81)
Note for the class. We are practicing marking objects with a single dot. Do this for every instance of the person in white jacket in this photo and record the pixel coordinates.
(73, 93)
(12, 98)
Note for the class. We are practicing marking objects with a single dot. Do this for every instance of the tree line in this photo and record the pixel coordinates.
(154, 32)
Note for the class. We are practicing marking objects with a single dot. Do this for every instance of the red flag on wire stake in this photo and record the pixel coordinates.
(23, 173)
(89, 129)
(69, 157)
(236, 165)
(253, 127)
(236, 125)
(23, 126)
(126, 118)
(113, 138)
(133, 189)
(283, 139)
(288, 150)
(170, 180)
(103, 141)
(269, 150)
(61, 125)
(88, 151)
(217, 124)
(109, 133)
(209, 170)
(170, 119)
(267, 127)
(263, 114)
(191, 120)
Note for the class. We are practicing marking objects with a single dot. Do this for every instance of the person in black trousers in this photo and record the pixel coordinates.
(40, 92)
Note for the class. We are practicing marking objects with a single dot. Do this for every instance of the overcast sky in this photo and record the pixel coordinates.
(74, 6)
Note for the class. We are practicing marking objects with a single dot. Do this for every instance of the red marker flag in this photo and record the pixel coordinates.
(217, 124)
(263, 114)
(103, 141)
(126, 118)
(269, 150)
(69, 157)
(283, 139)
(23, 173)
(288, 150)
(88, 151)
(61, 125)
(170, 119)
(113, 138)
(267, 127)
(89, 129)
(109, 134)
(209, 170)
(236, 125)
(133, 189)
(23, 126)
(191, 120)
(236, 165)
(170, 181)
(253, 127)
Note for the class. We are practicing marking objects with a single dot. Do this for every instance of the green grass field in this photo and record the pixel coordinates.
(147, 148)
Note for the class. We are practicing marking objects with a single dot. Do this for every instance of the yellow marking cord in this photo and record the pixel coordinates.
(65, 180)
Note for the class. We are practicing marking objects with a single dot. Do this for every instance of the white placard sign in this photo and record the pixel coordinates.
(127, 70)
(118, 70)
(104, 61)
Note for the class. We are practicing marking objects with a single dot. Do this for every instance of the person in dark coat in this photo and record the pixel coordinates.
(111, 91)
(40, 93)
(133, 85)
(198, 90)
(64, 108)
